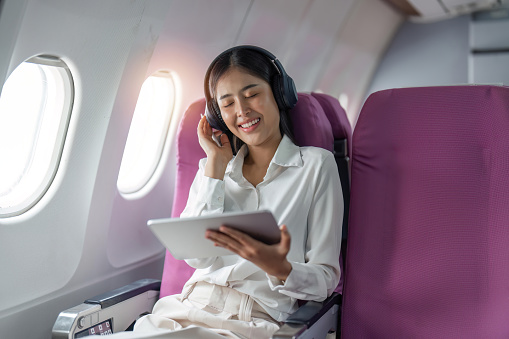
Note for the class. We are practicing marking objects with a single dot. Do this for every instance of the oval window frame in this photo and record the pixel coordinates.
(38, 191)
(145, 184)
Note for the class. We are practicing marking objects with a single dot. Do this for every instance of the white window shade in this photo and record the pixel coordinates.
(35, 106)
(148, 132)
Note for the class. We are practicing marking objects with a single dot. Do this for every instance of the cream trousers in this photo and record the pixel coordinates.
(205, 311)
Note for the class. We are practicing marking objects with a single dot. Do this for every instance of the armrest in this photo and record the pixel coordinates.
(312, 314)
(109, 312)
(126, 292)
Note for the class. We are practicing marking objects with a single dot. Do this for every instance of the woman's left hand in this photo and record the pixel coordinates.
(270, 258)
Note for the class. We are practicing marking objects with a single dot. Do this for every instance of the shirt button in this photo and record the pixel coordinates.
(220, 199)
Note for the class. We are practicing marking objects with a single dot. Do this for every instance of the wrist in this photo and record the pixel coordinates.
(215, 169)
(286, 269)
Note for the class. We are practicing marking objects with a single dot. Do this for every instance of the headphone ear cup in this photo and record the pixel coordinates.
(277, 90)
(285, 92)
(290, 95)
(213, 116)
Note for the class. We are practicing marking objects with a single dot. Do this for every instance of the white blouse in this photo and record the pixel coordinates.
(303, 191)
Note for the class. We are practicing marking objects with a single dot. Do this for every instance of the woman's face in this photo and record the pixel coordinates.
(248, 108)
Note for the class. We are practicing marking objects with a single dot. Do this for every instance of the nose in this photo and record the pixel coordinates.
(242, 107)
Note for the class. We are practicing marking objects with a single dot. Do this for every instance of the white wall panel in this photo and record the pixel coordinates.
(273, 25)
(314, 40)
(193, 34)
(433, 54)
(11, 16)
(489, 68)
(357, 50)
(58, 248)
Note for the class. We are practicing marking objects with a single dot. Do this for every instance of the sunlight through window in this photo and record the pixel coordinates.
(148, 131)
(34, 112)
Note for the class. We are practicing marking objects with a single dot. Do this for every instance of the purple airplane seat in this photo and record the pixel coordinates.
(428, 242)
(342, 132)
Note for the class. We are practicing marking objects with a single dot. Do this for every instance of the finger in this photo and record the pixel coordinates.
(224, 139)
(201, 125)
(285, 238)
(204, 129)
(208, 128)
(223, 240)
(230, 245)
(239, 236)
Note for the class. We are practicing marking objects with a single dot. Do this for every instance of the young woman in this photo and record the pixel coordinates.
(256, 166)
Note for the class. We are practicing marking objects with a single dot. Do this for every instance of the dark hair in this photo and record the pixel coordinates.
(256, 64)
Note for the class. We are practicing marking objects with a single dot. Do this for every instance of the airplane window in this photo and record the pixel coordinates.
(35, 106)
(148, 131)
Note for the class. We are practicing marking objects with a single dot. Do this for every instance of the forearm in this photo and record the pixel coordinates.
(215, 168)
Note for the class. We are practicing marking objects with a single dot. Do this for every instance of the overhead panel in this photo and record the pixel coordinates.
(432, 10)
(314, 40)
(273, 24)
(489, 50)
(484, 29)
(358, 46)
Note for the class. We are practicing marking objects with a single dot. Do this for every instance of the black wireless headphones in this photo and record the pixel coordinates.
(282, 86)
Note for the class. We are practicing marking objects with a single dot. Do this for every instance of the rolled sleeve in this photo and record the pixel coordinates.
(303, 283)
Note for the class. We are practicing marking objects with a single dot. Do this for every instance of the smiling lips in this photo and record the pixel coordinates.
(251, 123)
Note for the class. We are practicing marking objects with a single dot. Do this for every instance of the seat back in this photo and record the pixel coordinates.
(429, 219)
(342, 133)
(311, 126)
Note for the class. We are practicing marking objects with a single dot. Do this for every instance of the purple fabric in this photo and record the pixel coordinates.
(341, 129)
(311, 128)
(310, 124)
(177, 272)
(429, 218)
(337, 117)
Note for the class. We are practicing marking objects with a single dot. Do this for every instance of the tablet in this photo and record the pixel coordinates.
(185, 237)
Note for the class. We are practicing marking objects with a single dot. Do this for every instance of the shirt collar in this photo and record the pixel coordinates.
(287, 155)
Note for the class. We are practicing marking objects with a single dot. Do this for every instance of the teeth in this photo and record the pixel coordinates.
(251, 123)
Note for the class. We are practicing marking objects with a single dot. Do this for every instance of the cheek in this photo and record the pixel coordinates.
(231, 124)
(273, 107)
(228, 118)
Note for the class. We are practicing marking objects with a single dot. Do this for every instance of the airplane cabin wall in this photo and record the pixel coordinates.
(430, 54)
(470, 49)
(84, 237)
(55, 253)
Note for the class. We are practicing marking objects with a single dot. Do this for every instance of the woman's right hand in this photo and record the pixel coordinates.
(218, 157)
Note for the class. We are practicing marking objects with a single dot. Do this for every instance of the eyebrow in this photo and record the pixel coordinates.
(242, 90)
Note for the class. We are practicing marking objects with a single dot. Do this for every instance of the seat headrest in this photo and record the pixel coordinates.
(341, 128)
(310, 124)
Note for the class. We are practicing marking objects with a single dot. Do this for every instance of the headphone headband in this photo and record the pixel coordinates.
(283, 87)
